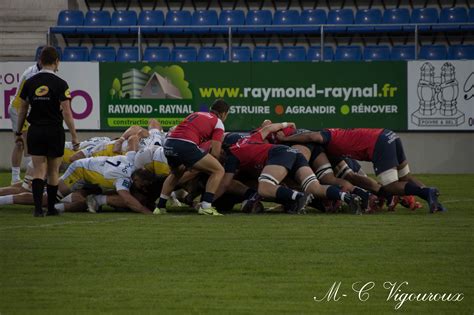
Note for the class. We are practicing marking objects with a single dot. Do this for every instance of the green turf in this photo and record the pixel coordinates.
(130, 263)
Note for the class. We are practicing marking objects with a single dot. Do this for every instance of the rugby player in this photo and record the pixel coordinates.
(384, 149)
(13, 110)
(253, 154)
(182, 151)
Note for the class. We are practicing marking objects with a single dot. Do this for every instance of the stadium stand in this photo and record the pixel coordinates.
(265, 32)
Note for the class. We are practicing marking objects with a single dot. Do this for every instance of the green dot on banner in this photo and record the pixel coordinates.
(345, 109)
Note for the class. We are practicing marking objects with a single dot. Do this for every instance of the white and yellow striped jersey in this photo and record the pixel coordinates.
(109, 173)
(153, 159)
(13, 110)
(156, 137)
(84, 146)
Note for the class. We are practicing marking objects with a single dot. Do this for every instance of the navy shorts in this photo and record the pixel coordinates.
(317, 150)
(180, 152)
(388, 152)
(283, 156)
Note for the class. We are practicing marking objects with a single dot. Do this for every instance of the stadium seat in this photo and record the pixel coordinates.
(451, 15)
(75, 54)
(125, 54)
(339, 16)
(403, 52)
(296, 53)
(149, 19)
(67, 20)
(94, 21)
(309, 17)
(38, 52)
(394, 16)
(213, 54)
(256, 18)
(177, 19)
(122, 22)
(348, 53)
(102, 54)
(470, 19)
(269, 53)
(239, 54)
(433, 52)
(381, 52)
(285, 17)
(314, 53)
(157, 54)
(366, 16)
(232, 17)
(424, 15)
(461, 52)
(205, 19)
(184, 54)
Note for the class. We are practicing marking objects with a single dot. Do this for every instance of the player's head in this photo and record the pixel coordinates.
(266, 122)
(220, 108)
(142, 179)
(49, 57)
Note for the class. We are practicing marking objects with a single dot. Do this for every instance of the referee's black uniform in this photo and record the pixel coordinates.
(45, 91)
(46, 137)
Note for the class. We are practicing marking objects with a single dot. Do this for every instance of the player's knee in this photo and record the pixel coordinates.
(266, 184)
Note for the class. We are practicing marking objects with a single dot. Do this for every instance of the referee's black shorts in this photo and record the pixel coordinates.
(46, 140)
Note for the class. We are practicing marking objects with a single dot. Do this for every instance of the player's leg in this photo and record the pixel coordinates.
(18, 148)
(171, 181)
(309, 183)
(37, 184)
(211, 166)
(52, 185)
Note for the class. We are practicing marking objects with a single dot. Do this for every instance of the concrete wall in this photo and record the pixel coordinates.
(24, 24)
(426, 152)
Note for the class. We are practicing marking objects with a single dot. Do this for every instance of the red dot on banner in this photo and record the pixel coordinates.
(279, 110)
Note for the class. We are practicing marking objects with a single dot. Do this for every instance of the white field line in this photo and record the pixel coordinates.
(457, 200)
(62, 223)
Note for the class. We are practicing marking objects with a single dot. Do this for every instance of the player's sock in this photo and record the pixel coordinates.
(162, 201)
(413, 189)
(51, 192)
(284, 194)
(206, 200)
(37, 187)
(101, 199)
(60, 207)
(334, 193)
(6, 200)
(16, 174)
(249, 193)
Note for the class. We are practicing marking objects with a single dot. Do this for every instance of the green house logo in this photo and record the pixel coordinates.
(151, 83)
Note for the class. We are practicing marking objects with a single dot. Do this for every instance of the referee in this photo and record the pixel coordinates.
(49, 98)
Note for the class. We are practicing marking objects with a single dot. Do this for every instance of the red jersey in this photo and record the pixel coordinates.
(272, 137)
(357, 143)
(252, 152)
(198, 128)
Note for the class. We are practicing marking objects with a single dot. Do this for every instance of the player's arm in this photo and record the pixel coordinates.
(231, 165)
(132, 202)
(216, 147)
(275, 127)
(302, 137)
(24, 105)
(65, 98)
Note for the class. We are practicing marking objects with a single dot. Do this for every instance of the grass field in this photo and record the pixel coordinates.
(239, 264)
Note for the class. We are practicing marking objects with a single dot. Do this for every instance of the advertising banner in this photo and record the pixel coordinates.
(313, 95)
(83, 80)
(441, 95)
